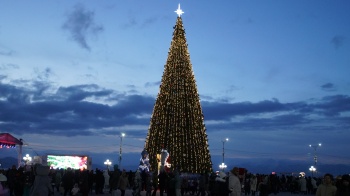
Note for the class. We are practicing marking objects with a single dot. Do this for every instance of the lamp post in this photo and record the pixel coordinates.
(312, 170)
(315, 149)
(120, 150)
(27, 158)
(223, 166)
(107, 163)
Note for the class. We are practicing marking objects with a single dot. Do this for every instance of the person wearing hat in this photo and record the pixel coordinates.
(344, 188)
(234, 185)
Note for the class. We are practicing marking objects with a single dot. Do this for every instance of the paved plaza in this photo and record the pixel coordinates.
(143, 193)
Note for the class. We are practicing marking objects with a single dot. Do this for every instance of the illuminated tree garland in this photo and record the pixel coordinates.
(177, 122)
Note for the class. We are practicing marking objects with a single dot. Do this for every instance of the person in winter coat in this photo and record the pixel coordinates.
(123, 182)
(3, 178)
(253, 184)
(326, 188)
(100, 181)
(303, 185)
(58, 179)
(162, 180)
(137, 184)
(234, 185)
(344, 187)
(178, 183)
(202, 184)
(314, 185)
(220, 187)
(155, 182)
(42, 183)
(114, 180)
(68, 181)
(106, 176)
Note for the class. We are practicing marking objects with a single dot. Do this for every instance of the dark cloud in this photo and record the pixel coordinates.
(333, 105)
(224, 110)
(273, 115)
(82, 109)
(338, 41)
(328, 87)
(67, 112)
(80, 24)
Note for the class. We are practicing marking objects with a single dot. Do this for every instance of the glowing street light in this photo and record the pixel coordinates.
(312, 170)
(315, 149)
(27, 158)
(108, 163)
(223, 166)
(120, 150)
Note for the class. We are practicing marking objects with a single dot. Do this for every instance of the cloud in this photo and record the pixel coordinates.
(6, 66)
(338, 41)
(6, 52)
(45, 74)
(130, 23)
(133, 22)
(328, 87)
(149, 21)
(68, 111)
(152, 84)
(36, 108)
(80, 24)
(333, 105)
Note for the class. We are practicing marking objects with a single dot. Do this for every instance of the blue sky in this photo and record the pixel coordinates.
(272, 76)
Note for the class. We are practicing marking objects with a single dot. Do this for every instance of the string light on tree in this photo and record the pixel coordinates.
(177, 121)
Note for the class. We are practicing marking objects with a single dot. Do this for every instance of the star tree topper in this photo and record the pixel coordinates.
(179, 11)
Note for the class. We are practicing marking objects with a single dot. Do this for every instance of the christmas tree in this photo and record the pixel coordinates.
(177, 123)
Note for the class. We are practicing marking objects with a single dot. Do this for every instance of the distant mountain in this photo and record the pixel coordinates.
(7, 162)
(266, 166)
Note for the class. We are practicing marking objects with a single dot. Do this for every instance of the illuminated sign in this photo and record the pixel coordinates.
(65, 161)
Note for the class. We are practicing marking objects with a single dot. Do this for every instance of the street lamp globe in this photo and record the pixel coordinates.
(27, 158)
(223, 166)
(312, 170)
(107, 163)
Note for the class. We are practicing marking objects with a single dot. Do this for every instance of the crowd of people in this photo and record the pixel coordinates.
(41, 180)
